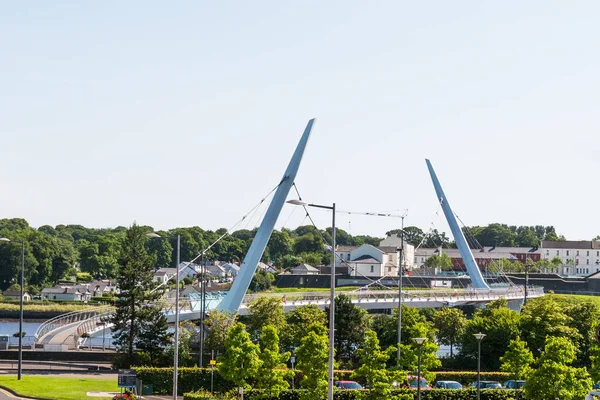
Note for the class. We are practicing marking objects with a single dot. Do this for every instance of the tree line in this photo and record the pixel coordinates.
(58, 253)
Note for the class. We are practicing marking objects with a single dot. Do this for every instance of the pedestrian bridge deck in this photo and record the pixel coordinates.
(71, 329)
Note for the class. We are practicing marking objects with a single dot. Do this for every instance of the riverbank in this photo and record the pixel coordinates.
(39, 310)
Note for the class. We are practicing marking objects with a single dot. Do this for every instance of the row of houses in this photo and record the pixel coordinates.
(577, 258)
(218, 269)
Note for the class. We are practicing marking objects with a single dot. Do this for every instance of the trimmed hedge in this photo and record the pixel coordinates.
(189, 379)
(468, 377)
(192, 379)
(402, 394)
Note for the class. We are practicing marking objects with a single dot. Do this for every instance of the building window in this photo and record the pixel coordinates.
(389, 269)
(372, 268)
(587, 262)
(587, 253)
(577, 253)
(547, 252)
(568, 252)
(557, 252)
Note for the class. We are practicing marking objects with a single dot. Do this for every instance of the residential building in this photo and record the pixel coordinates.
(579, 257)
(65, 293)
(304, 269)
(371, 261)
(231, 269)
(483, 257)
(163, 275)
(16, 295)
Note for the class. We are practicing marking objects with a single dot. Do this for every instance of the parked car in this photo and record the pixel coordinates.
(447, 385)
(412, 382)
(512, 384)
(487, 385)
(347, 385)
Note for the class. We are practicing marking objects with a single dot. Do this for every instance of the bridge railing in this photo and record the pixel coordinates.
(409, 295)
(67, 319)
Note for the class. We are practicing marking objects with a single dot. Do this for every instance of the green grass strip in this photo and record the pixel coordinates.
(59, 388)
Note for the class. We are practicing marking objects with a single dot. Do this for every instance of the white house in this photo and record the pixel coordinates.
(163, 275)
(395, 241)
(371, 261)
(215, 270)
(231, 269)
(65, 293)
(16, 295)
(579, 257)
(267, 268)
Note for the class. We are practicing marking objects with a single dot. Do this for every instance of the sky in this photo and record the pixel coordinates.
(186, 113)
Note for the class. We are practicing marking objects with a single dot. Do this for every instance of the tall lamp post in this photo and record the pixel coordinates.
(176, 349)
(332, 292)
(479, 336)
(400, 273)
(22, 281)
(527, 266)
(419, 341)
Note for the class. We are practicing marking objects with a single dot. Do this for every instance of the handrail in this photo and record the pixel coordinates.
(66, 319)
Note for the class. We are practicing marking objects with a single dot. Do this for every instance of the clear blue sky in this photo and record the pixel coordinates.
(186, 113)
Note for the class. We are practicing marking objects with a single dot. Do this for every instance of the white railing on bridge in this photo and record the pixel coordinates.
(67, 319)
(409, 296)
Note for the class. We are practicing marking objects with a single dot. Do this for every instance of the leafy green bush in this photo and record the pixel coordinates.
(189, 379)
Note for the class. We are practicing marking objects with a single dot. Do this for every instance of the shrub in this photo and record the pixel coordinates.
(468, 377)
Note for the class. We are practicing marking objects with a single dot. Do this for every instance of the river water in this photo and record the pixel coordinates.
(11, 326)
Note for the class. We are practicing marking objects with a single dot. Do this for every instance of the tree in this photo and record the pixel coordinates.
(273, 368)
(584, 318)
(219, 323)
(137, 312)
(265, 311)
(517, 359)
(308, 243)
(351, 322)
(450, 324)
(554, 377)
(544, 317)
(443, 262)
(153, 333)
(435, 239)
(312, 360)
(241, 359)
(500, 324)
(261, 281)
(412, 234)
(373, 366)
(296, 322)
(527, 238)
(409, 349)
(280, 244)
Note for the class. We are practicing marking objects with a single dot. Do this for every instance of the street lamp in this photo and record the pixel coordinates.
(176, 350)
(419, 341)
(20, 367)
(332, 293)
(527, 266)
(479, 336)
(400, 273)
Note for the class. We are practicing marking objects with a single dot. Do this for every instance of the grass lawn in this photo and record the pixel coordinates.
(51, 387)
